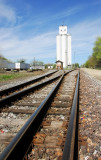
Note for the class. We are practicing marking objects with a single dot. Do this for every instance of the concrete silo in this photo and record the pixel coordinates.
(58, 47)
(69, 59)
(63, 46)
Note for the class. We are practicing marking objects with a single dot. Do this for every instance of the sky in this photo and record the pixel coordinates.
(28, 28)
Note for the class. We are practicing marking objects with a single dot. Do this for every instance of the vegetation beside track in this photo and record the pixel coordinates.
(15, 75)
(94, 61)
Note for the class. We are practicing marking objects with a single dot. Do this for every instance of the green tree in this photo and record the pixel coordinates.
(87, 64)
(2, 57)
(22, 60)
(95, 59)
(41, 63)
(46, 66)
(91, 62)
(54, 66)
(37, 63)
(75, 65)
(97, 51)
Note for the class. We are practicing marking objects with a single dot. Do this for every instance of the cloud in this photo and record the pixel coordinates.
(23, 41)
(84, 35)
(67, 12)
(43, 45)
(38, 46)
(42, 18)
(6, 12)
(86, 31)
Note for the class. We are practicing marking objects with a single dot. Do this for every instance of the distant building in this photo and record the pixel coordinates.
(63, 46)
(4, 64)
(38, 67)
(50, 66)
(22, 66)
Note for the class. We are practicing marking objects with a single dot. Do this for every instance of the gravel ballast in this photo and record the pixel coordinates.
(90, 115)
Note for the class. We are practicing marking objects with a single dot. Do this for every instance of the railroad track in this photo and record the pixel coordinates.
(10, 94)
(19, 87)
(44, 134)
(14, 113)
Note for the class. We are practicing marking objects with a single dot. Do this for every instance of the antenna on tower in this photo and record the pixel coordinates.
(63, 23)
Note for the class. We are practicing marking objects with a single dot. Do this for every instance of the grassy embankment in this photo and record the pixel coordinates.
(10, 76)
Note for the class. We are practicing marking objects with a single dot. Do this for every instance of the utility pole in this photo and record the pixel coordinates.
(34, 62)
(74, 59)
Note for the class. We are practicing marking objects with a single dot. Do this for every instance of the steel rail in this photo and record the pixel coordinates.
(65, 73)
(19, 145)
(23, 84)
(7, 100)
(70, 148)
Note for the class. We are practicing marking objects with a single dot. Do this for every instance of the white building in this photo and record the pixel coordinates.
(63, 46)
(22, 66)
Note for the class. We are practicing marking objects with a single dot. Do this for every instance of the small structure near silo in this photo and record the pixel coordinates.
(59, 65)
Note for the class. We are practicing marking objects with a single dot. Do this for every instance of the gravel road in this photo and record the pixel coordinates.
(90, 115)
(93, 72)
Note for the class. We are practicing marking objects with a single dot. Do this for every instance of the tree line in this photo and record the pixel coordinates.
(33, 63)
(94, 61)
(22, 60)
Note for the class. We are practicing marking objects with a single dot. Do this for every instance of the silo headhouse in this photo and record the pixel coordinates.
(63, 46)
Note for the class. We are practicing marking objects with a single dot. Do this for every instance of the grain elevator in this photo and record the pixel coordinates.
(63, 46)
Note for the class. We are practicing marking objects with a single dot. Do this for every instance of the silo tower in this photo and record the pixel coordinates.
(63, 46)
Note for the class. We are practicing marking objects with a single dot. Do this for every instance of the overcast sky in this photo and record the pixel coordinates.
(28, 28)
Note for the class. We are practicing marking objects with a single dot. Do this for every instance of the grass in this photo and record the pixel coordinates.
(5, 77)
(12, 75)
(98, 68)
